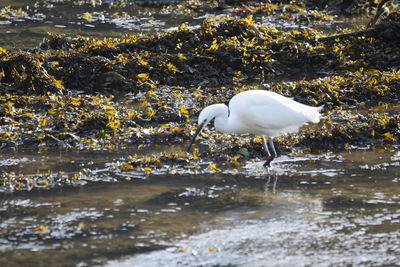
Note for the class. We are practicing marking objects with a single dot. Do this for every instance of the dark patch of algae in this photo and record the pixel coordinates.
(71, 92)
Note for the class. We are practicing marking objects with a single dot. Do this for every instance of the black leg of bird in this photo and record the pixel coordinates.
(264, 142)
(272, 155)
(272, 146)
(269, 156)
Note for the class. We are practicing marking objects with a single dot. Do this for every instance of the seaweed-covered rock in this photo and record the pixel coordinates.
(24, 73)
(90, 93)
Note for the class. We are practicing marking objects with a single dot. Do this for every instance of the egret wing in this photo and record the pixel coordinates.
(273, 117)
(271, 114)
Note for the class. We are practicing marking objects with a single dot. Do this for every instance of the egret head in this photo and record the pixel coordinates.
(206, 115)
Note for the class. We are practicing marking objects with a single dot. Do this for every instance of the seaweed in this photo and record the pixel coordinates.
(80, 92)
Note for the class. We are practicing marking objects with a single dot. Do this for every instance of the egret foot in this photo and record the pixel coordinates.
(270, 155)
(267, 164)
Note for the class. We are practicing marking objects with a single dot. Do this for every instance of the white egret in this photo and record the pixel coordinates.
(258, 112)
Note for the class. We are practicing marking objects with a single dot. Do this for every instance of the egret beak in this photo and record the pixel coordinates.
(199, 128)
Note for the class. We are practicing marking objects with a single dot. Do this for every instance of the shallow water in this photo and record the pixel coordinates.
(26, 29)
(330, 209)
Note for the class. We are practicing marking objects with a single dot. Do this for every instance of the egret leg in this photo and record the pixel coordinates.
(264, 142)
(270, 155)
(271, 144)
